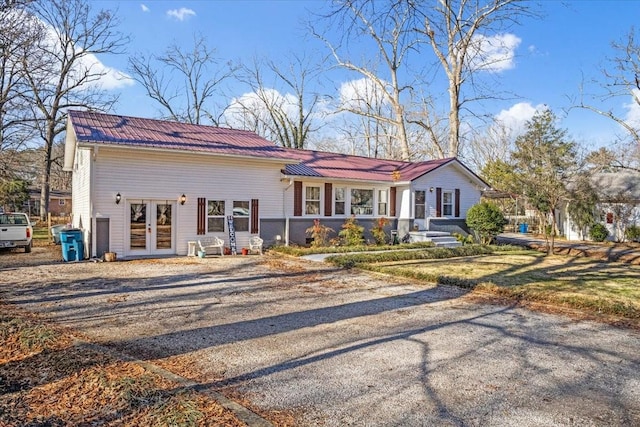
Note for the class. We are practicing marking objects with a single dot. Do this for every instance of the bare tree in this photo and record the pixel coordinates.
(621, 79)
(280, 106)
(454, 30)
(389, 28)
(184, 83)
(17, 36)
(63, 71)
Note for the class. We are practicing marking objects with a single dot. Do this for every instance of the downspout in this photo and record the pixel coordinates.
(284, 212)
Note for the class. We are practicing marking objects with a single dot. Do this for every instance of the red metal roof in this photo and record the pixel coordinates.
(343, 166)
(92, 127)
(148, 133)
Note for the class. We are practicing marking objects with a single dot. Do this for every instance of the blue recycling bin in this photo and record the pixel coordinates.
(523, 227)
(72, 244)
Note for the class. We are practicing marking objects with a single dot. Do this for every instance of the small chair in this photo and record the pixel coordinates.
(255, 244)
(211, 243)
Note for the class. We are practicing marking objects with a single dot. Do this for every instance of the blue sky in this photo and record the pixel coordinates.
(555, 53)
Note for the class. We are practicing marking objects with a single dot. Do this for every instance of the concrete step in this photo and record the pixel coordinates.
(445, 241)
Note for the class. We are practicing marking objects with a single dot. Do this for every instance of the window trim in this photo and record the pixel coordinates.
(216, 216)
(345, 191)
(423, 204)
(451, 204)
(235, 217)
(305, 200)
(380, 202)
(373, 200)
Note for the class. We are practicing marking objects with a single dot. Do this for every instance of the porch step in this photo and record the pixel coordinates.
(439, 238)
(445, 242)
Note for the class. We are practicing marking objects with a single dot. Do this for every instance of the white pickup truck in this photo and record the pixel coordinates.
(15, 231)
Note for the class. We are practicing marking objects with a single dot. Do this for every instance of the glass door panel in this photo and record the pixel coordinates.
(138, 227)
(163, 226)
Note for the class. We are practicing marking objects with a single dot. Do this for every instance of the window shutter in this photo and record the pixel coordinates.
(254, 217)
(328, 199)
(438, 201)
(457, 202)
(202, 216)
(392, 201)
(297, 198)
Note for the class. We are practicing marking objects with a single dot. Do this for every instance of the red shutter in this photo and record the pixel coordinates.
(254, 217)
(202, 216)
(297, 198)
(392, 201)
(457, 206)
(438, 201)
(328, 199)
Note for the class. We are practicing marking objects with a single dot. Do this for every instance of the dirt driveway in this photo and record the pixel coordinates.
(338, 347)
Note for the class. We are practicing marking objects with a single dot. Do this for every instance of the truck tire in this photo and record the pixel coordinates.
(27, 249)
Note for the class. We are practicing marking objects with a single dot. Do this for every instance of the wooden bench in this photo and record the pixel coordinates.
(208, 244)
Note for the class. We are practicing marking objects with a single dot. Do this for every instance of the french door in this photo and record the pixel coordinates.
(151, 227)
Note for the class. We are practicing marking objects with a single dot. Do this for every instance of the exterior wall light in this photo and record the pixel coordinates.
(118, 198)
(430, 189)
(183, 199)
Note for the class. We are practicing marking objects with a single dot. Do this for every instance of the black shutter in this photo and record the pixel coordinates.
(457, 207)
(438, 201)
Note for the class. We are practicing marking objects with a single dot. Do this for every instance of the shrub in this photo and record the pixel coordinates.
(632, 233)
(352, 234)
(378, 232)
(599, 233)
(486, 220)
(465, 240)
(319, 233)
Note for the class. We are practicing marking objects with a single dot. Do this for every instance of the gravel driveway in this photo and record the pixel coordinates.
(340, 347)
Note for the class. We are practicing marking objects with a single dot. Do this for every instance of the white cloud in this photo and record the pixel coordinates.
(245, 110)
(513, 120)
(493, 54)
(633, 110)
(100, 75)
(361, 94)
(144, 7)
(181, 14)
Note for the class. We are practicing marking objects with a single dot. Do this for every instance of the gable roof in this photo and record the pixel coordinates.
(108, 129)
(343, 166)
(614, 185)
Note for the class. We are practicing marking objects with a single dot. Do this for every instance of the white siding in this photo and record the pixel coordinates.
(449, 178)
(166, 176)
(347, 184)
(81, 194)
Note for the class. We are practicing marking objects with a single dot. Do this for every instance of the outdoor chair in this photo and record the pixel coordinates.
(255, 244)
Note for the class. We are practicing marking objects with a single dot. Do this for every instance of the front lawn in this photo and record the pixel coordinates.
(581, 283)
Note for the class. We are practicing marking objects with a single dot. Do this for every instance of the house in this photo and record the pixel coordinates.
(149, 187)
(59, 203)
(618, 206)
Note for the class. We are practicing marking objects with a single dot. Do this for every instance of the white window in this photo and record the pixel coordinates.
(361, 201)
(215, 216)
(419, 208)
(241, 215)
(447, 203)
(382, 202)
(312, 200)
(340, 194)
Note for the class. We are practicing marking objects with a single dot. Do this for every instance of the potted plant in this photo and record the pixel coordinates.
(245, 251)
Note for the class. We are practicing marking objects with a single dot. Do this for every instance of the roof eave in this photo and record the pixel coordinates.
(279, 160)
(325, 178)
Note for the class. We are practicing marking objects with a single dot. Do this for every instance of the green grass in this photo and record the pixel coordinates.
(41, 233)
(577, 282)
